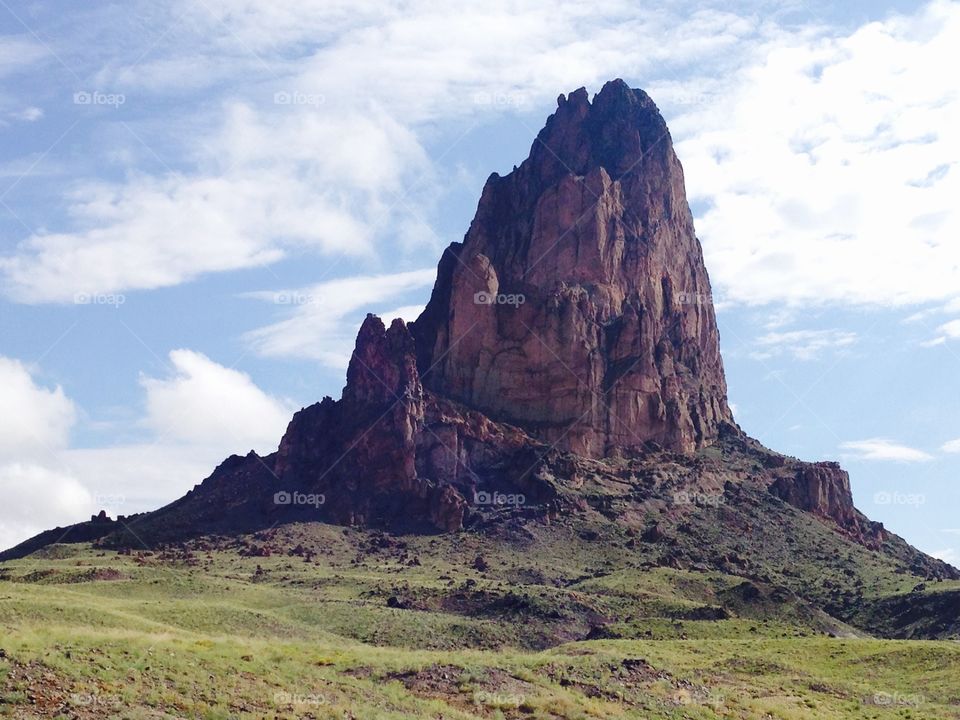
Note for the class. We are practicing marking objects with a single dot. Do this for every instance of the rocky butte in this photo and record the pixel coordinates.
(615, 345)
(569, 357)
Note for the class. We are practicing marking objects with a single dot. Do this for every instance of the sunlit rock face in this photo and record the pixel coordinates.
(578, 306)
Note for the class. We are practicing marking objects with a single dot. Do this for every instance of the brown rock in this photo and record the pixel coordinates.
(578, 306)
(822, 488)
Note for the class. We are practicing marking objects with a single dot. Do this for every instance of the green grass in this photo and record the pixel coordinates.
(91, 634)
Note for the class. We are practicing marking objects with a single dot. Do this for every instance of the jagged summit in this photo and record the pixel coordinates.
(598, 332)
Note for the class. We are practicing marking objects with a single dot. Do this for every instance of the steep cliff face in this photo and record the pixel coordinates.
(391, 455)
(578, 306)
(824, 489)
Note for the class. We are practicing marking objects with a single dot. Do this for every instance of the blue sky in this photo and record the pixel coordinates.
(200, 200)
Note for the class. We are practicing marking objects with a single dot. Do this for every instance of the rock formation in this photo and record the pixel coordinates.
(568, 356)
(578, 306)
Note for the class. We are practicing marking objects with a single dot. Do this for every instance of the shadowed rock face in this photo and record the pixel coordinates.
(578, 306)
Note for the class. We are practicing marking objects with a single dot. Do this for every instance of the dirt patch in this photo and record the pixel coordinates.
(436, 681)
(619, 682)
(484, 693)
(38, 692)
(99, 575)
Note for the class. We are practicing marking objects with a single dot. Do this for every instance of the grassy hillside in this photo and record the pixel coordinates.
(315, 621)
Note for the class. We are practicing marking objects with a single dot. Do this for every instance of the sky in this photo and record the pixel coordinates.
(201, 199)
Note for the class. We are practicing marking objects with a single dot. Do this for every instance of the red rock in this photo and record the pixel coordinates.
(615, 342)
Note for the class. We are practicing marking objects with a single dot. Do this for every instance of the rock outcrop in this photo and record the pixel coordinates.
(824, 489)
(821, 488)
(569, 355)
(578, 306)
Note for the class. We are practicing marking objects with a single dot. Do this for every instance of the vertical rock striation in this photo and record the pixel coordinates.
(578, 306)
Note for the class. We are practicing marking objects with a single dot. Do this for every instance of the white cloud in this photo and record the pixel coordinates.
(199, 416)
(292, 181)
(38, 491)
(827, 163)
(126, 479)
(953, 446)
(323, 319)
(829, 167)
(424, 60)
(802, 344)
(329, 175)
(35, 421)
(208, 404)
(884, 450)
(36, 498)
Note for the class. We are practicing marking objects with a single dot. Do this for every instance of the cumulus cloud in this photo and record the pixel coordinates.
(884, 450)
(322, 320)
(199, 415)
(38, 491)
(35, 420)
(37, 498)
(205, 403)
(826, 170)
